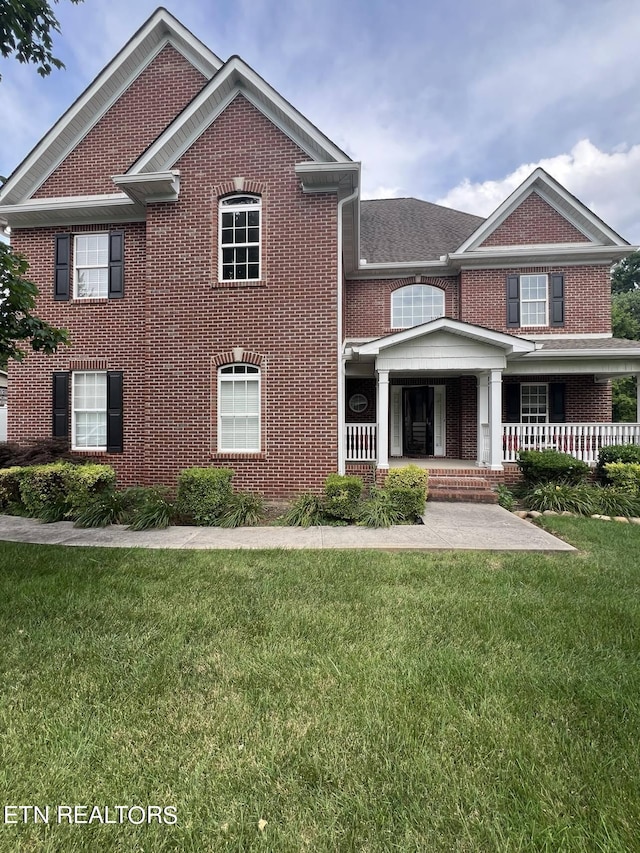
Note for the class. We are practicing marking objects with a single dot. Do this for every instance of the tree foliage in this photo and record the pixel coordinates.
(625, 276)
(26, 28)
(17, 302)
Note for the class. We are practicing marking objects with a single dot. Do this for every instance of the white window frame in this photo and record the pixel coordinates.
(77, 268)
(232, 205)
(397, 322)
(225, 375)
(523, 418)
(74, 377)
(534, 301)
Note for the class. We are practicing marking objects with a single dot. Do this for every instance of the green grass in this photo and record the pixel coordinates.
(355, 702)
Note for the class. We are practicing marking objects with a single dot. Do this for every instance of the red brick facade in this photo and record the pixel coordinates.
(179, 323)
(534, 221)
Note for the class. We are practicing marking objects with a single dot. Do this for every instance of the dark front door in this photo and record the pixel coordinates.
(417, 407)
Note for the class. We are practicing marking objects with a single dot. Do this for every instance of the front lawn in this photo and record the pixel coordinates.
(353, 702)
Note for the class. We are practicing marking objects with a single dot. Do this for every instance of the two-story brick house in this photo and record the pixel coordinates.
(231, 300)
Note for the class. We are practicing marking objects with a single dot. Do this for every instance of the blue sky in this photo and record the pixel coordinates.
(453, 101)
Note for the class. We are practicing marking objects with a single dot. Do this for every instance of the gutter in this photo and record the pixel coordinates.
(341, 375)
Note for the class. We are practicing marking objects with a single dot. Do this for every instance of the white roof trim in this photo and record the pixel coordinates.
(510, 343)
(539, 255)
(236, 77)
(74, 210)
(161, 29)
(560, 199)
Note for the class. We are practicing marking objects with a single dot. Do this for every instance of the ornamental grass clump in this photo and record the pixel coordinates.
(307, 510)
(381, 510)
(561, 497)
(243, 510)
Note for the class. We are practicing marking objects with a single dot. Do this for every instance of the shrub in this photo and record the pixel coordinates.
(243, 510)
(83, 483)
(38, 452)
(550, 466)
(342, 496)
(43, 487)
(380, 510)
(561, 497)
(506, 497)
(203, 494)
(624, 474)
(10, 487)
(613, 500)
(626, 453)
(150, 509)
(307, 510)
(407, 489)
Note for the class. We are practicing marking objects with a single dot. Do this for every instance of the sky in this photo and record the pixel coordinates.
(452, 101)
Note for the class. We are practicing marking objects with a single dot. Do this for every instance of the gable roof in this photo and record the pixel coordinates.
(161, 29)
(567, 205)
(233, 78)
(407, 229)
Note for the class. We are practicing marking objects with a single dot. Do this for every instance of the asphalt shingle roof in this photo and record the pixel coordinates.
(407, 229)
(603, 344)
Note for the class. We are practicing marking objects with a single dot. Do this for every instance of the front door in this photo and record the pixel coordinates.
(417, 407)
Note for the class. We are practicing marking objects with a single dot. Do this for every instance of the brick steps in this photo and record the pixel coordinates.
(460, 487)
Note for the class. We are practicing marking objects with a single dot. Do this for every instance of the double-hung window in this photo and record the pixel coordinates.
(239, 408)
(91, 266)
(240, 238)
(89, 410)
(534, 300)
(534, 403)
(416, 304)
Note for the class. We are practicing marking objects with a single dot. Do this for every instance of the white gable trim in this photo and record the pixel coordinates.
(236, 77)
(559, 199)
(509, 343)
(161, 29)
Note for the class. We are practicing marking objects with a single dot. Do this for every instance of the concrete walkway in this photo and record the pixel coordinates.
(446, 526)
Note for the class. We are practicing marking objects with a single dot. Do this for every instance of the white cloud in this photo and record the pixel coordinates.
(608, 183)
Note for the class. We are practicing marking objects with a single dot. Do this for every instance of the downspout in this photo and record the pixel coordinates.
(341, 375)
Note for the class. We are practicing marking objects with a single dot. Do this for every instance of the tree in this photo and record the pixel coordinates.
(625, 276)
(25, 31)
(625, 323)
(17, 301)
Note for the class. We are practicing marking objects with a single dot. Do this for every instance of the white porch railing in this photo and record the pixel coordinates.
(580, 440)
(362, 443)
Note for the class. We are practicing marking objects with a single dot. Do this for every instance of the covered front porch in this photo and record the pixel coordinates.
(454, 395)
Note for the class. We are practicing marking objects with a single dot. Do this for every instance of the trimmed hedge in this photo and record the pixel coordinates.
(407, 490)
(551, 466)
(626, 453)
(63, 485)
(204, 494)
(342, 495)
(10, 486)
(624, 474)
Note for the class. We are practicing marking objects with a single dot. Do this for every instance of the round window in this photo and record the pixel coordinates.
(358, 403)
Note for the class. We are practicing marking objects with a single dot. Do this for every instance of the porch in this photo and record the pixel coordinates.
(581, 440)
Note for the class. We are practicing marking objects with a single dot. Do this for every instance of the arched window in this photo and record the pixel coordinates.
(415, 304)
(239, 238)
(239, 408)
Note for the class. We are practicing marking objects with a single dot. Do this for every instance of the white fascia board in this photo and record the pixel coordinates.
(239, 78)
(70, 210)
(150, 186)
(401, 269)
(539, 181)
(329, 177)
(161, 29)
(576, 366)
(574, 253)
(510, 343)
(624, 352)
(583, 336)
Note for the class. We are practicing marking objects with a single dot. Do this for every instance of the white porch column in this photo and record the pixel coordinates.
(495, 420)
(383, 419)
(638, 398)
(483, 411)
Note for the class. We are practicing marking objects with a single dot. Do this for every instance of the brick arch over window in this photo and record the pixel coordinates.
(225, 358)
(415, 302)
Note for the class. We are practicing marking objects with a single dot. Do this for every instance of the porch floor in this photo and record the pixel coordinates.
(434, 464)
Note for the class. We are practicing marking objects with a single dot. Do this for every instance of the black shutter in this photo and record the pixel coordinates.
(61, 404)
(116, 265)
(114, 411)
(557, 413)
(556, 312)
(513, 300)
(512, 402)
(62, 272)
